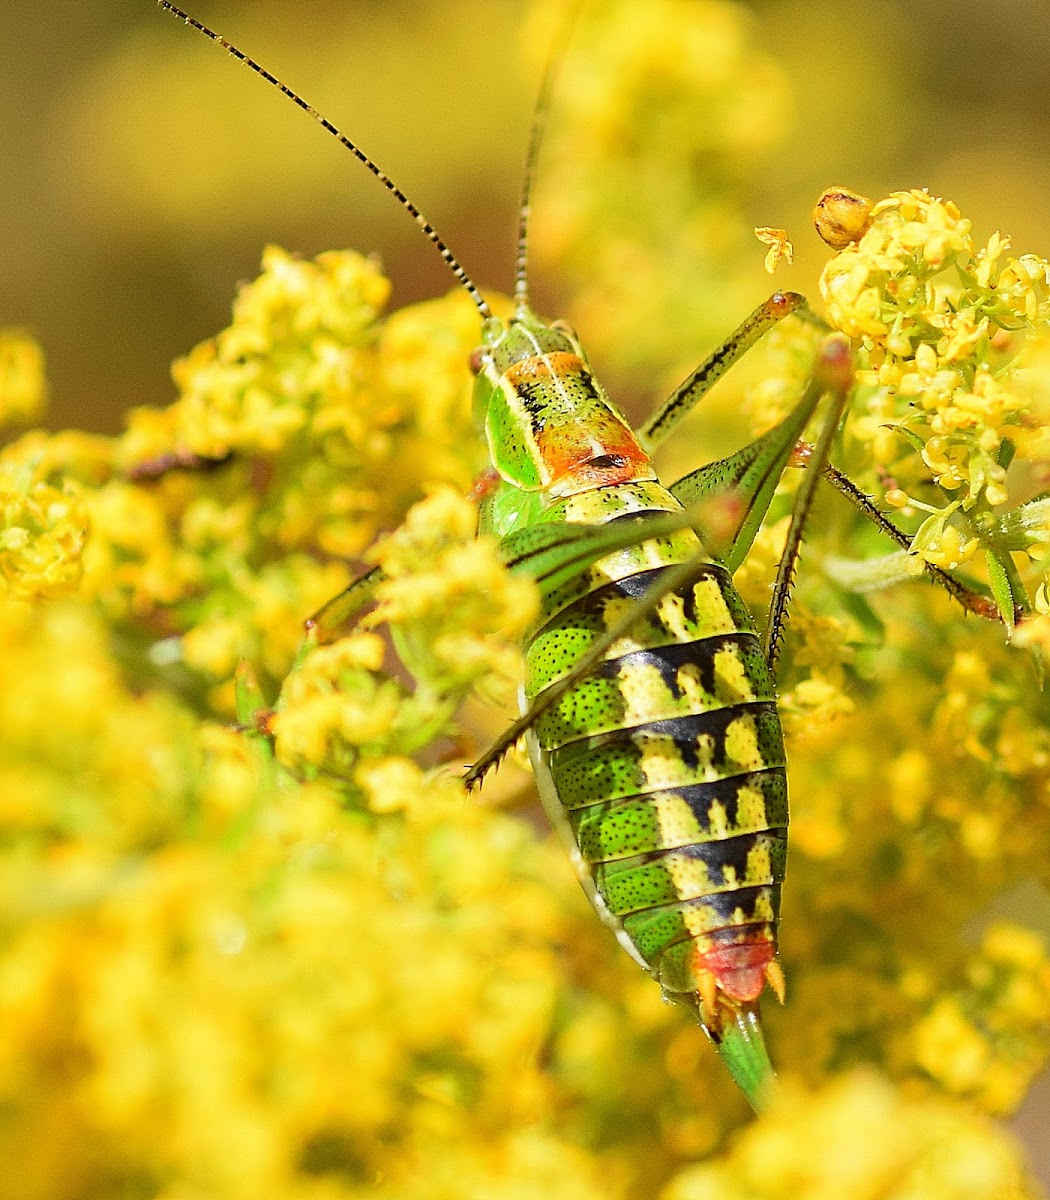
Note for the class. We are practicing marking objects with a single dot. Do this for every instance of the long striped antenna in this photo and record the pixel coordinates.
(536, 132)
(431, 233)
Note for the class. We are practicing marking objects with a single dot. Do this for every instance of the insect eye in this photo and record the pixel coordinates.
(476, 360)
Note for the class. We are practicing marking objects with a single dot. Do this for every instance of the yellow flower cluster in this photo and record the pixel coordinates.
(219, 982)
(218, 985)
(856, 1138)
(986, 1039)
(463, 613)
(938, 773)
(932, 345)
(44, 516)
(456, 617)
(321, 970)
(42, 533)
(292, 958)
(945, 329)
(302, 381)
(917, 741)
(225, 519)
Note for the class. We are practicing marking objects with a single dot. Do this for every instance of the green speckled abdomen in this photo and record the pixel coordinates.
(664, 769)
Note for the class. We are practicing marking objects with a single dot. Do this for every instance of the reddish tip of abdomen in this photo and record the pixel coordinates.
(740, 969)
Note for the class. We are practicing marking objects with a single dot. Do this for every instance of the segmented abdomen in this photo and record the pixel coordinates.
(665, 767)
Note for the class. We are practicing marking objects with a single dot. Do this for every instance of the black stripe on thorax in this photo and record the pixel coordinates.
(552, 394)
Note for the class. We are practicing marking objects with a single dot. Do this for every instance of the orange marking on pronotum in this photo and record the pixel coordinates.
(578, 454)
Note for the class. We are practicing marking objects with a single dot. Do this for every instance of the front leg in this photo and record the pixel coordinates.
(692, 390)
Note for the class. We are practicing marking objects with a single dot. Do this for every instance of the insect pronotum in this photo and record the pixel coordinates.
(649, 704)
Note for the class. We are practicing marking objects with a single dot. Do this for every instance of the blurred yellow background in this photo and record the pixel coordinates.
(143, 173)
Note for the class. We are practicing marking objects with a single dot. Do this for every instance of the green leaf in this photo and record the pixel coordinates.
(999, 577)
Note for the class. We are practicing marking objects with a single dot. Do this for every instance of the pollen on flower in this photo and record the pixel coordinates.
(333, 703)
(947, 335)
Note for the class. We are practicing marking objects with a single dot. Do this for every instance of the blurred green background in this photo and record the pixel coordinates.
(143, 173)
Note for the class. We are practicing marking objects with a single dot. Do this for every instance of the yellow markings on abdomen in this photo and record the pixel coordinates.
(647, 697)
(742, 748)
(662, 766)
(751, 808)
(670, 623)
(732, 685)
